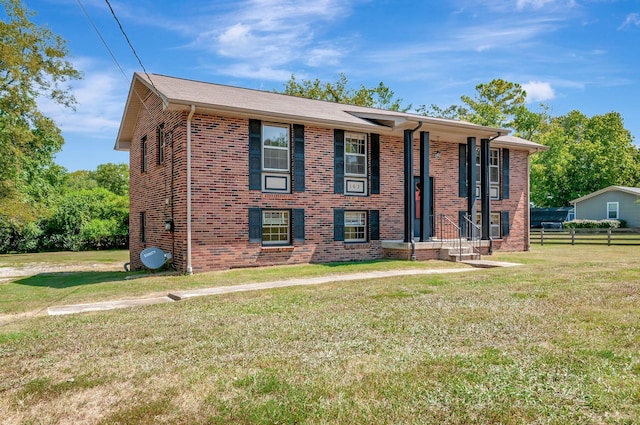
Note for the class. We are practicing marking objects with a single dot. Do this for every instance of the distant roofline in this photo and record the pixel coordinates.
(626, 189)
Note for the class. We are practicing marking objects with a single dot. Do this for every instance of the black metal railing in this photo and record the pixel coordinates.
(473, 233)
(458, 237)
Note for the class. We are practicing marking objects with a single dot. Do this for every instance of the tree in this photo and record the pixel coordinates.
(585, 154)
(33, 65)
(378, 97)
(84, 219)
(498, 103)
(113, 177)
(80, 180)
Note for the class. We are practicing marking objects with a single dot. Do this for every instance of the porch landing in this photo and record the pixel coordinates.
(442, 249)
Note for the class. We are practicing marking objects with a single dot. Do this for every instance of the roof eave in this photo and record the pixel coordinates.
(604, 190)
(131, 110)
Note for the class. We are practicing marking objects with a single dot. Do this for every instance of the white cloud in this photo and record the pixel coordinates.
(236, 40)
(482, 38)
(633, 19)
(535, 4)
(245, 70)
(270, 35)
(538, 91)
(100, 97)
(323, 56)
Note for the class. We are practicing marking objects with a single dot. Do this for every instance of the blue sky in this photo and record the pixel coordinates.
(575, 54)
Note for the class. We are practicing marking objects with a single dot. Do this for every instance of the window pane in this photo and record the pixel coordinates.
(494, 174)
(493, 157)
(354, 146)
(276, 159)
(275, 136)
(612, 210)
(495, 225)
(355, 164)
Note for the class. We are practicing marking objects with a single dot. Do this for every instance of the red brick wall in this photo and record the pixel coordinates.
(221, 199)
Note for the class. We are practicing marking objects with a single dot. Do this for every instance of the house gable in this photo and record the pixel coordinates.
(625, 200)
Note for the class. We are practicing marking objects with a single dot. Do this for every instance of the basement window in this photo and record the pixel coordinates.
(355, 226)
(275, 227)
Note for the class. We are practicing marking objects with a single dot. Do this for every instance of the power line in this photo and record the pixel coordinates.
(103, 40)
(113, 57)
(130, 45)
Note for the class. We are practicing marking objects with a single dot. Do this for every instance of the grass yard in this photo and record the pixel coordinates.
(554, 341)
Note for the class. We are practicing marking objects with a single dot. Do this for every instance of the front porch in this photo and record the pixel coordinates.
(437, 249)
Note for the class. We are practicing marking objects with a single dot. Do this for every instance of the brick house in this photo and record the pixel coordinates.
(229, 177)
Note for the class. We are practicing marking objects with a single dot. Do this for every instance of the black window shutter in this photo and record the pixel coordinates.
(338, 161)
(298, 224)
(338, 225)
(298, 158)
(375, 164)
(462, 170)
(255, 155)
(374, 225)
(504, 219)
(255, 225)
(462, 223)
(505, 173)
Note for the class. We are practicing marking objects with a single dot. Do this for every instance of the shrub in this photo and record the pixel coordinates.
(29, 239)
(594, 224)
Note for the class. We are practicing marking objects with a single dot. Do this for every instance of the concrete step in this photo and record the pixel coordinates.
(459, 254)
(457, 258)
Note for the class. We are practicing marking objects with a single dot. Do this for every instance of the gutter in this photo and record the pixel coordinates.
(189, 117)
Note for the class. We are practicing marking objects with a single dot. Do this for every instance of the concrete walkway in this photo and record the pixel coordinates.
(181, 295)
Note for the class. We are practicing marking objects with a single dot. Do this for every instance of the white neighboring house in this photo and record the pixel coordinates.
(613, 202)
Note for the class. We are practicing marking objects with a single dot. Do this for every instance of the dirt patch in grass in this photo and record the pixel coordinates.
(32, 269)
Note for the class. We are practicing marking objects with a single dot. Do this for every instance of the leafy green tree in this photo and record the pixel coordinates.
(585, 154)
(453, 112)
(80, 180)
(85, 219)
(380, 96)
(33, 65)
(113, 177)
(498, 103)
(495, 103)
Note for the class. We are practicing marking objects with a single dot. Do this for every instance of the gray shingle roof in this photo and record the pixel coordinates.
(180, 94)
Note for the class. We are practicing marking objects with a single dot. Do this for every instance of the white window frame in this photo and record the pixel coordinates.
(356, 183)
(287, 148)
(277, 180)
(494, 164)
(361, 139)
(617, 210)
(279, 224)
(355, 226)
(495, 228)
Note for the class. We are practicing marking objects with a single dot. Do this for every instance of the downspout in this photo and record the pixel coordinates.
(191, 112)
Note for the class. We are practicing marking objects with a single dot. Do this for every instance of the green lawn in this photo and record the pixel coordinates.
(554, 341)
(101, 277)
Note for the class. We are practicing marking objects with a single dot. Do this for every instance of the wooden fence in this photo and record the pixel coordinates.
(586, 236)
